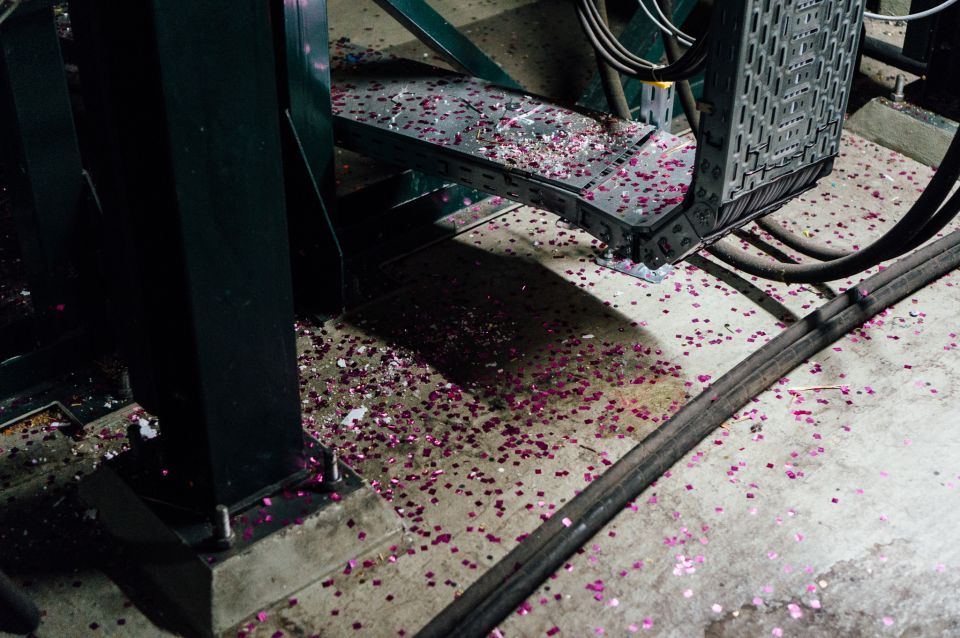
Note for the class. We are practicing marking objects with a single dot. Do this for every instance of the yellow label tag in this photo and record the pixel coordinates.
(659, 85)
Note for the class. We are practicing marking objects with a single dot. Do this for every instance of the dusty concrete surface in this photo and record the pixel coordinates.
(915, 132)
(366, 20)
(507, 370)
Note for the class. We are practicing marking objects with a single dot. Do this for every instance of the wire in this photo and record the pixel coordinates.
(593, 25)
(504, 587)
(668, 21)
(684, 93)
(911, 16)
(928, 212)
(617, 56)
(799, 243)
(610, 78)
(666, 26)
(6, 14)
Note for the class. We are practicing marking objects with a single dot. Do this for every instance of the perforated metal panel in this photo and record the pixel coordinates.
(775, 93)
(618, 180)
(776, 90)
(656, 106)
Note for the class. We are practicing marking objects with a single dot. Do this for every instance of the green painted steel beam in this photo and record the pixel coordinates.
(42, 160)
(436, 32)
(307, 65)
(185, 100)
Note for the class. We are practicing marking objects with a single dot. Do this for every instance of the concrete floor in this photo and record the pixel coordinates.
(506, 370)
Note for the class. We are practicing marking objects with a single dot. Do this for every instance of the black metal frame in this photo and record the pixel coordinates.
(192, 185)
(54, 211)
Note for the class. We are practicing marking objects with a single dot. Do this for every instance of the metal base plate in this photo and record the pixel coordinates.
(282, 544)
(635, 269)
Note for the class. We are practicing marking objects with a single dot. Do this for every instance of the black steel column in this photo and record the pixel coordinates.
(38, 150)
(303, 61)
(192, 180)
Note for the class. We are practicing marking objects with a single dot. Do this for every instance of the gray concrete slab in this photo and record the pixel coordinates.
(915, 132)
(211, 589)
(506, 370)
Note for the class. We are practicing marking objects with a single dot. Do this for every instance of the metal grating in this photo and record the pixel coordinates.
(617, 180)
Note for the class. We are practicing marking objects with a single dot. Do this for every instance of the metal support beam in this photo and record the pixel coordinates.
(186, 98)
(643, 38)
(433, 30)
(936, 41)
(303, 62)
(41, 162)
(306, 65)
(893, 55)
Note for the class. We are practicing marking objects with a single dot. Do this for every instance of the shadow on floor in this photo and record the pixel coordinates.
(469, 312)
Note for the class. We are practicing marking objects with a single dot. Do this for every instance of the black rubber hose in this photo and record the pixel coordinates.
(799, 243)
(894, 242)
(18, 614)
(824, 253)
(939, 221)
(503, 588)
(610, 78)
(671, 47)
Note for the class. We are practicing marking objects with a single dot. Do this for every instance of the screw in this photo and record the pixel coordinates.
(223, 534)
(126, 390)
(331, 473)
(897, 95)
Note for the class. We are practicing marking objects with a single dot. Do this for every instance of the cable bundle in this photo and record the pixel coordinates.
(930, 214)
(619, 58)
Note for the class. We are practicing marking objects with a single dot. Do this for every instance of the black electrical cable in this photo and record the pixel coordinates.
(939, 221)
(914, 224)
(593, 22)
(503, 588)
(610, 78)
(816, 273)
(605, 44)
(799, 243)
(936, 223)
(617, 56)
(671, 47)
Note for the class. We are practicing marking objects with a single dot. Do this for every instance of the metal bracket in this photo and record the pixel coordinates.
(633, 268)
(431, 28)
